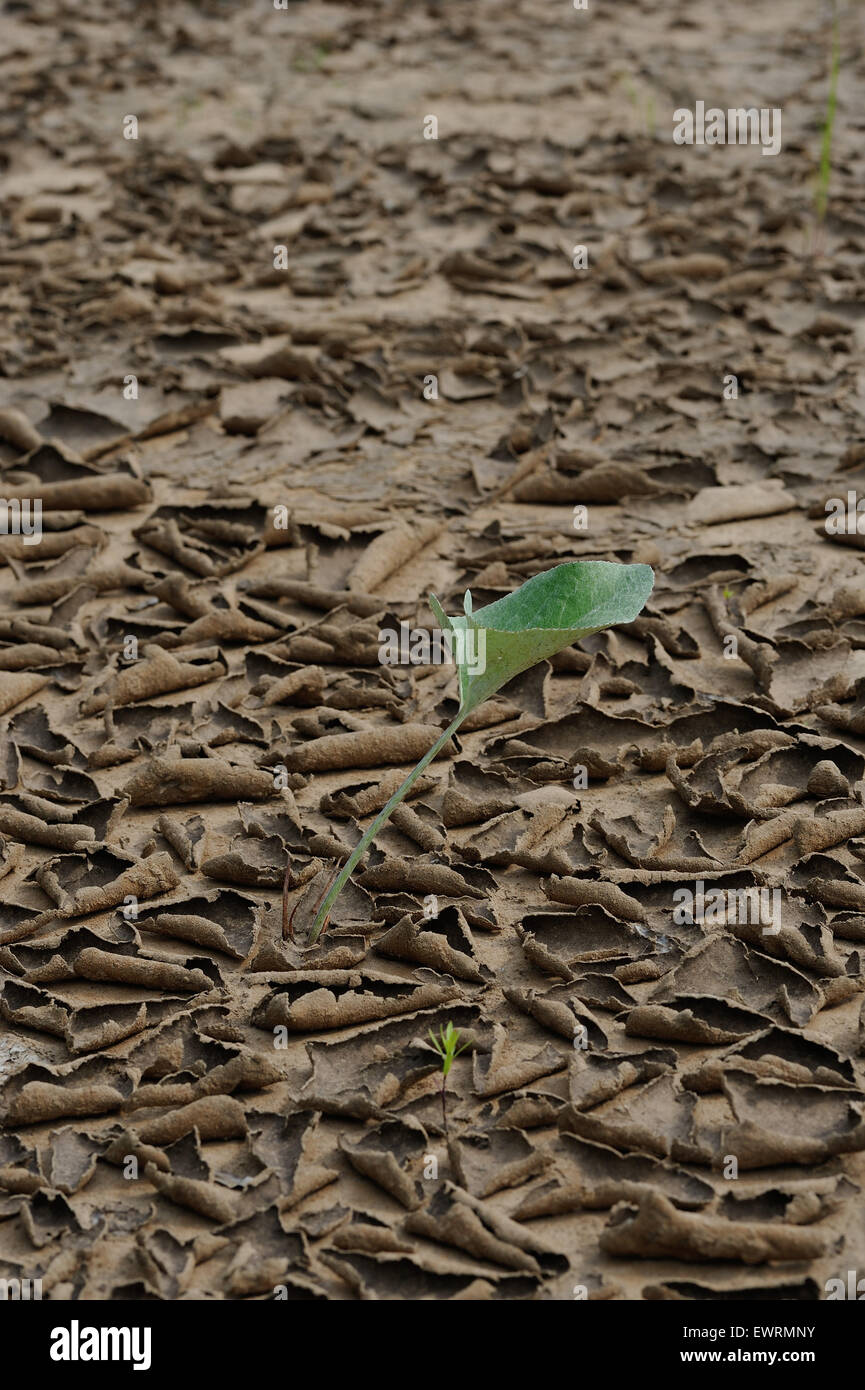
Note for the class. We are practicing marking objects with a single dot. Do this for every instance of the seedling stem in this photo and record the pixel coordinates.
(446, 1047)
(360, 849)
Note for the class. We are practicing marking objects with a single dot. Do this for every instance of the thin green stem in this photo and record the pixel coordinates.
(358, 852)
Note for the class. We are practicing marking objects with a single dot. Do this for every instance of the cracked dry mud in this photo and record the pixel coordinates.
(192, 1106)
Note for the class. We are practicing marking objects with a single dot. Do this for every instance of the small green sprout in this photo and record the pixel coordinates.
(546, 614)
(643, 103)
(311, 60)
(821, 191)
(446, 1047)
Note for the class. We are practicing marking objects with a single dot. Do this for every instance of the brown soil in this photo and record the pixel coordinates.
(654, 1103)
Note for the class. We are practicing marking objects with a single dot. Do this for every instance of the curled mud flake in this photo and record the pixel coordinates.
(36, 735)
(18, 686)
(594, 1078)
(460, 808)
(693, 1291)
(25, 656)
(167, 1259)
(184, 837)
(65, 483)
(68, 1160)
(591, 1177)
(637, 843)
(799, 934)
(695, 266)
(419, 877)
(826, 780)
(497, 1159)
(31, 830)
(158, 673)
(17, 429)
(314, 596)
(454, 1217)
(52, 544)
(736, 503)
(363, 748)
(725, 969)
(394, 1156)
(366, 1234)
(584, 889)
(303, 686)
(83, 1027)
(242, 1071)
(827, 880)
(719, 783)
(760, 656)
(99, 879)
(165, 781)
(778, 1123)
(659, 1118)
(390, 551)
(223, 625)
(421, 825)
(656, 1230)
(607, 483)
(558, 942)
(196, 977)
(802, 1203)
(38, 1093)
(260, 1254)
(443, 943)
(531, 1108)
(284, 1144)
(509, 1065)
(361, 799)
(340, 999)
(253, 863)
(221, 921)
(512, 838)
(212, 1117)
(762, 836)
(827, 828)
(693, 1019)
(204, 1198)
(47, 1217)
(211, 540)
(392, 1277)
(20, 1172)
(561, 1011)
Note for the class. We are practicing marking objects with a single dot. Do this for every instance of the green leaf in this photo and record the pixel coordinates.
(546, 614)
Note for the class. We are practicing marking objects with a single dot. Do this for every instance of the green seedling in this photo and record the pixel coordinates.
(542, 617)
(446, 1045)
(312, 60)
(643, 103)
(821, 191)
